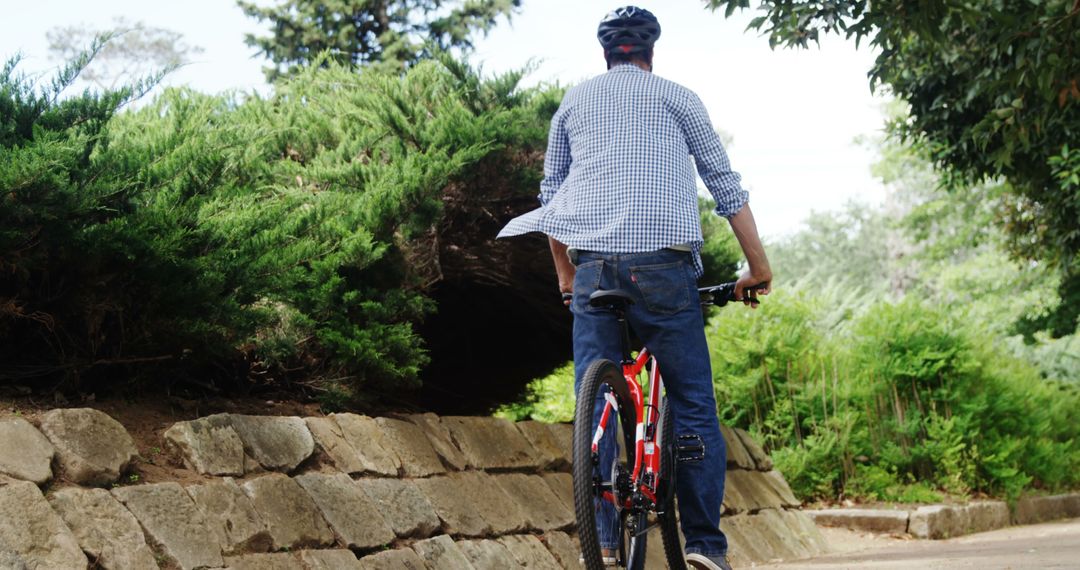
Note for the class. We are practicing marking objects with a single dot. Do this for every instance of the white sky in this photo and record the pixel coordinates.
(794, 115)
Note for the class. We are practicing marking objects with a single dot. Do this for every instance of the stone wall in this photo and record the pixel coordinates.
(338, 492)
(949, 521)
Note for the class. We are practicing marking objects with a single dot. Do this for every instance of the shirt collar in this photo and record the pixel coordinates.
(626, 68)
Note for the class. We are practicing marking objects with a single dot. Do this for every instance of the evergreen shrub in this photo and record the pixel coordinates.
(217, 236)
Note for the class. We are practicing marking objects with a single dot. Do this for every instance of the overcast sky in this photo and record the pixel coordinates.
(794, 115)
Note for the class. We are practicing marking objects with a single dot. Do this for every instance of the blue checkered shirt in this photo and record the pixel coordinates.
(618, 177)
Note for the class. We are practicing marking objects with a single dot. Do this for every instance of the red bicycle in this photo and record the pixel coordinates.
(640, 483)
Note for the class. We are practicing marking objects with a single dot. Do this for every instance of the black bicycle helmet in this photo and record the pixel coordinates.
(628, 30)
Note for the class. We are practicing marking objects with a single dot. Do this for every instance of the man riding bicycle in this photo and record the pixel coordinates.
(619, 205)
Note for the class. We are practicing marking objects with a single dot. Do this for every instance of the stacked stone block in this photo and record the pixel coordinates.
(343, 491)
(761, 515)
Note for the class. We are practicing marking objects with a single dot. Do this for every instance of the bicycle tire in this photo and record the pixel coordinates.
(667, 509)
(597, 375)
(637, 539)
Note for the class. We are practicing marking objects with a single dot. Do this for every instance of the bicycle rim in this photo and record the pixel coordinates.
(599, 374)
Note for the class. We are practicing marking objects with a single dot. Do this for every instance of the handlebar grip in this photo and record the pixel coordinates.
(721, 295)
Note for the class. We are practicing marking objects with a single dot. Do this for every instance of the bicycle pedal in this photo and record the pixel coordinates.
(690, 448)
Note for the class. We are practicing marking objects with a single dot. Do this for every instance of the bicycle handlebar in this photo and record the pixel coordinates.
(719, 295)
(724, 293)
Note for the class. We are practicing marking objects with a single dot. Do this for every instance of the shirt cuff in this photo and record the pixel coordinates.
(732, 207)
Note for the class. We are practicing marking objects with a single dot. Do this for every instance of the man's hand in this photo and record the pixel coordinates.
(751, 284)
(563, 268)
(758, 280)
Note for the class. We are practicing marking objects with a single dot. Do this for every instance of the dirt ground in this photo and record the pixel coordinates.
(1047, 545)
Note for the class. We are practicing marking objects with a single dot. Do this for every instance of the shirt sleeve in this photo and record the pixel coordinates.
(556, 159)
(712, 161)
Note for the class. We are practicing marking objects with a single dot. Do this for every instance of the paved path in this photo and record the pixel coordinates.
(1048, 545)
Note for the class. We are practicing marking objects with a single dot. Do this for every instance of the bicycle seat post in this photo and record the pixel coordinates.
(627, 358)
(616, 301)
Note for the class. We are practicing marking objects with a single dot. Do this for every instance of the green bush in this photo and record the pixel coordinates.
(548, 399)
(220, 235)
(900, 402)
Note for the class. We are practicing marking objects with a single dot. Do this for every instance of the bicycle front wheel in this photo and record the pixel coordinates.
(602, 479)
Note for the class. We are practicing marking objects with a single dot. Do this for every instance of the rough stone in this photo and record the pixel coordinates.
(275, 561)
(936, 521)
(454, 505)
(290, 514)
(171, 519)
(884, 521)
(755, 489)
(1031, 510)
(488, 554)
(736, 500)
(564, 436)
(351, 513)
(441, 552)
(746, 545)
(338, 559)
(32, 535)
(403, 559)
(471, 504)
(781, 488)
(12, 561)
(563, 486)
(543, 440)
(24, 453)
(986, 515)
(529, 552)
(104, 528)
(373, 449)
(492, 443)
(757, 454)
(564, 548)
(440, 440)
(802, 527)
(1072, 505)
(207, 448)
(786, 544)
(542, 508)
(402, 504)
(277, 443)
(737, 456)
(329, 436)
(946, 521)
(91, 447)
(232, 516)
(418, 458)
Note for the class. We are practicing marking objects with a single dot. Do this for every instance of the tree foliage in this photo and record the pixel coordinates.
(994, 93)
(391, 33)
(221, 238)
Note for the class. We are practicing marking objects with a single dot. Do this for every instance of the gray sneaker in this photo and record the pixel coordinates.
(702, 562)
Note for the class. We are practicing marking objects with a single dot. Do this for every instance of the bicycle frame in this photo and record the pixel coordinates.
(647, 449)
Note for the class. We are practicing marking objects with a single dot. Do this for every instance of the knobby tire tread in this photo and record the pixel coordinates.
(669, 524)
(598, 373)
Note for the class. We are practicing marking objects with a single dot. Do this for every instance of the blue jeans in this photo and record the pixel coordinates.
(666, 316)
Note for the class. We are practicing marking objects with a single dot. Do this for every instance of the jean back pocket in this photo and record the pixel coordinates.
(663, 286)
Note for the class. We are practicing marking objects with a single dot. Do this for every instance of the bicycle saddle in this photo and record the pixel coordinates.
(613, 298)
